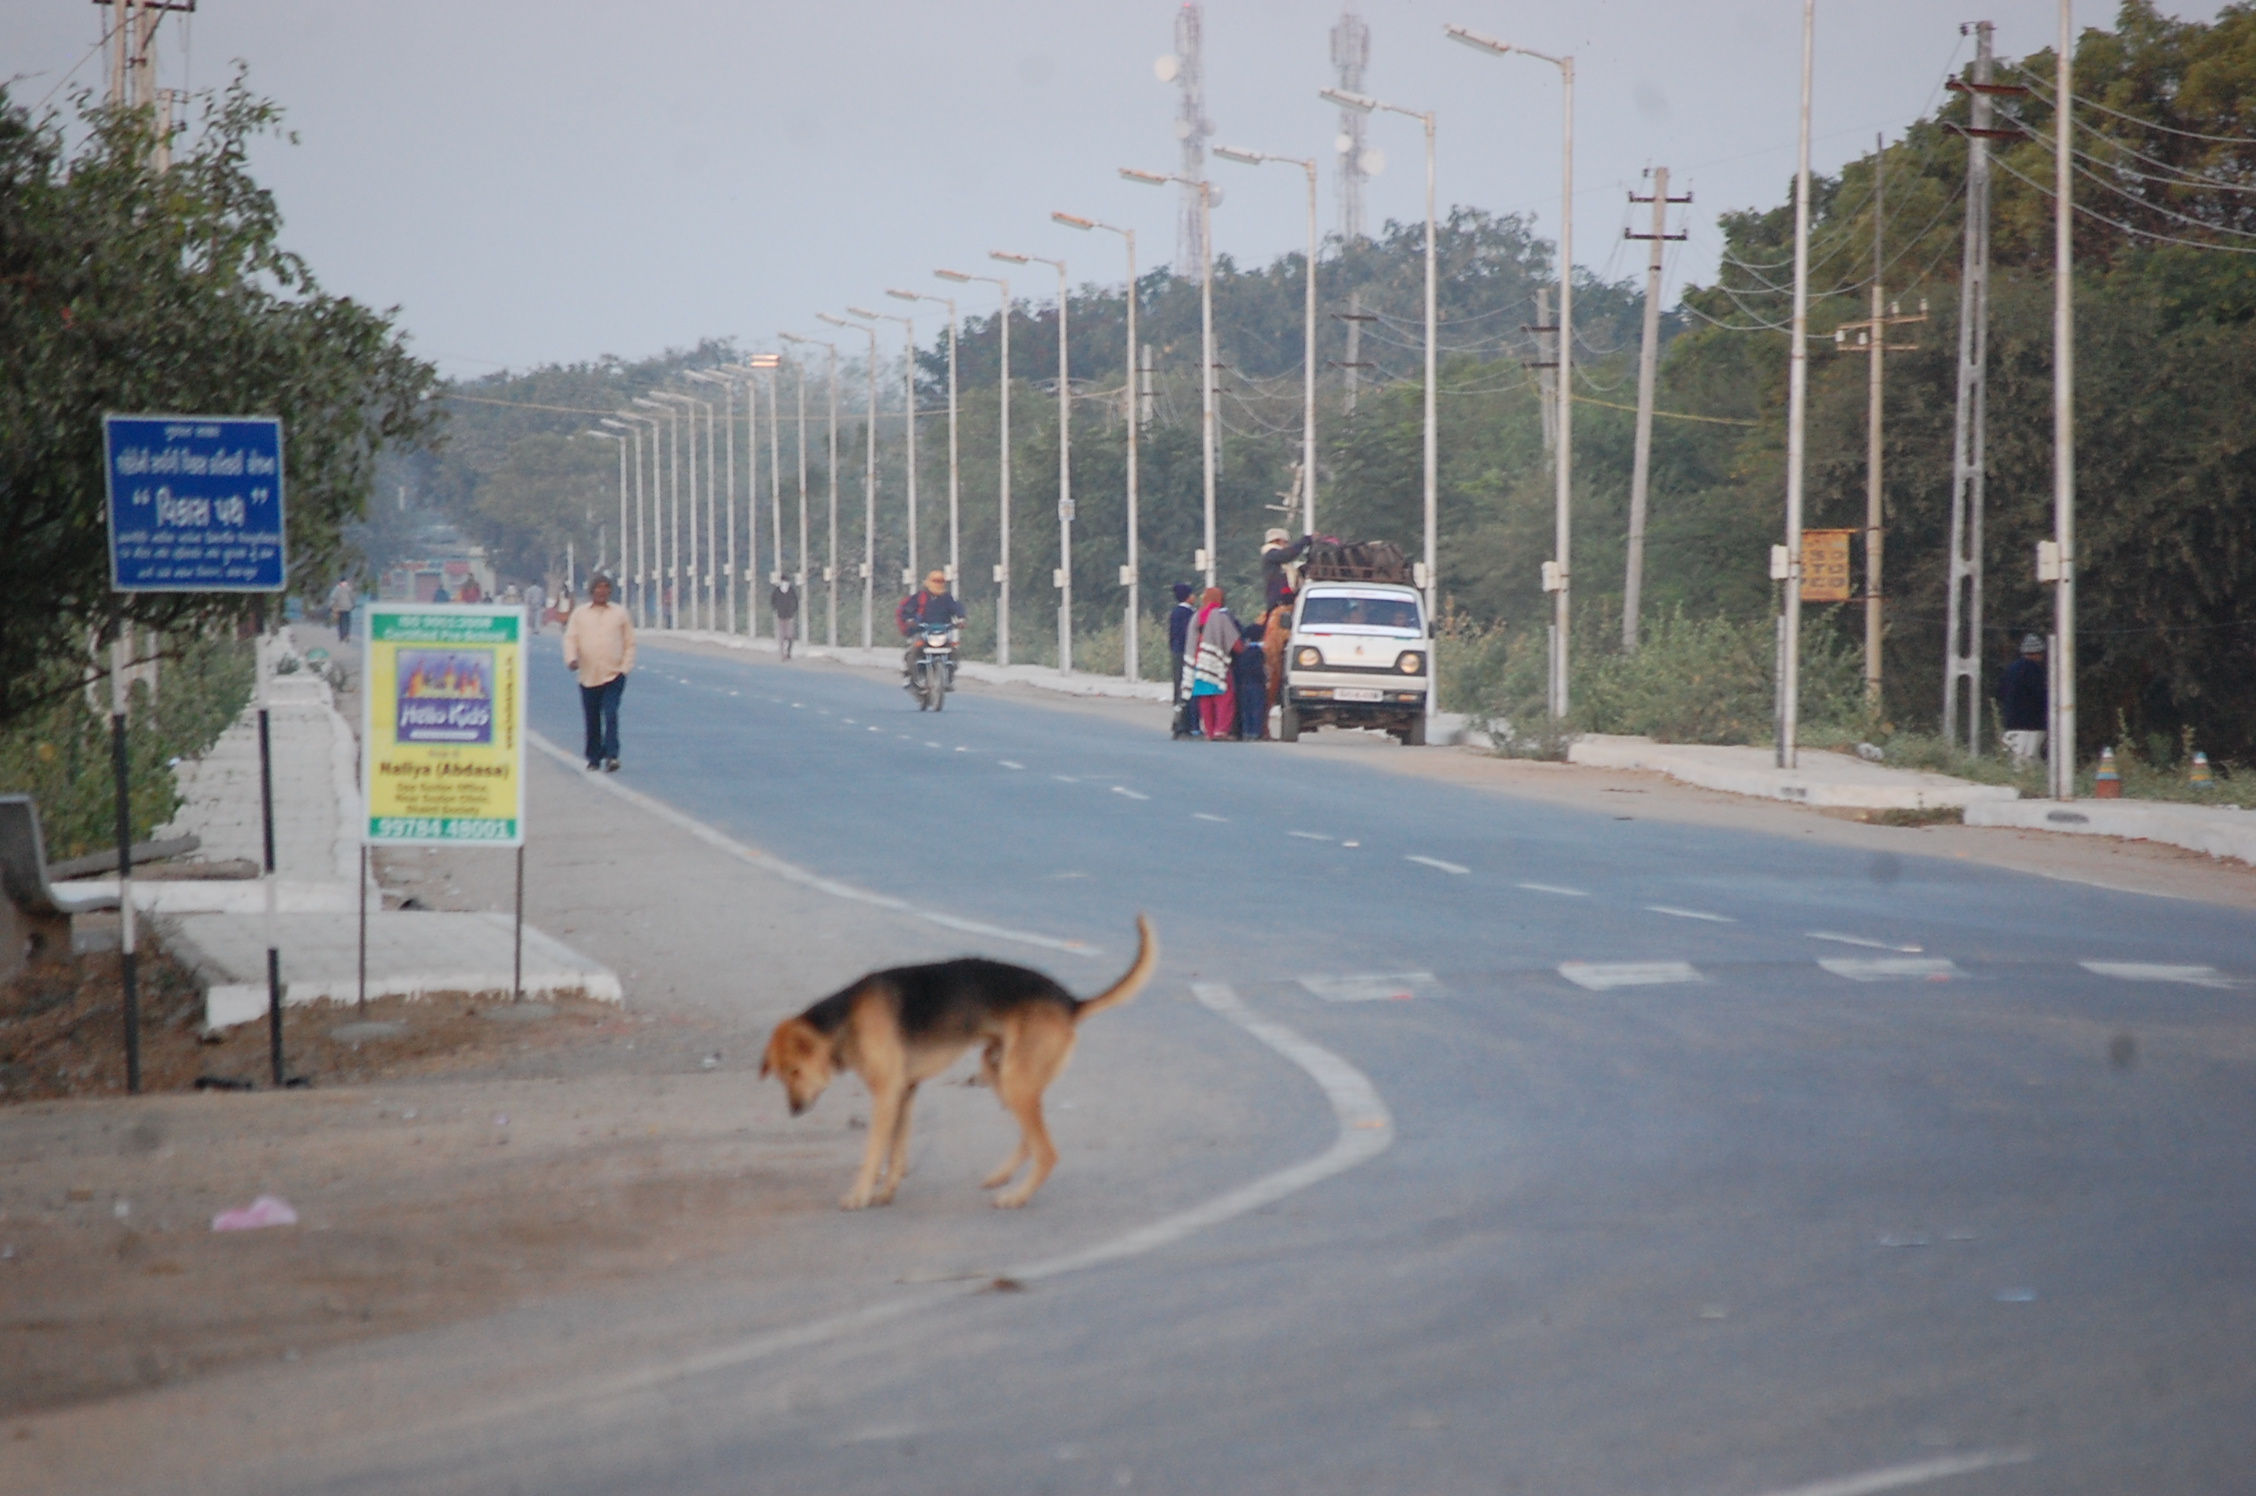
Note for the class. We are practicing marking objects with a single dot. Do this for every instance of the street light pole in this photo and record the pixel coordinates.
(911, 576)
(954, 525)
(728, 491)
(1561, 579)
(1130, 665)
(1065, 464)
(1308, 330)
(669, 556)
(1797, 415)
(631, 575)
(801, 555)
(1208, 416)
(830, 552)
(869, 482)
(2061, 746)
(1430, 584)
(1002, 567)
(621, 439)
(700, 575)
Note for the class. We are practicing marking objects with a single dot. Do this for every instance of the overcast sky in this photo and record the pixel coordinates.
(557, 181)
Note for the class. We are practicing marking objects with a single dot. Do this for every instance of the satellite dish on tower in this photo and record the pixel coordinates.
(1168, 68)
(1342, 144)
(1373, 161)
(1182, 129)
(1214, 197)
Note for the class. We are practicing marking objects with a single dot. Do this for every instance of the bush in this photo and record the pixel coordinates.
(60, 753)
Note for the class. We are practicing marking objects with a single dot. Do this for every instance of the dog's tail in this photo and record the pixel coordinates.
(1132, 982)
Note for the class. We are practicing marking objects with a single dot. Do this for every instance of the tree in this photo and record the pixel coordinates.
(132, 289)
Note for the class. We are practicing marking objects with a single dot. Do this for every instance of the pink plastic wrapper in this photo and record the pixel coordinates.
(266, 1210)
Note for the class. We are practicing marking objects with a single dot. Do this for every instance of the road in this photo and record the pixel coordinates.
(1720, 1162)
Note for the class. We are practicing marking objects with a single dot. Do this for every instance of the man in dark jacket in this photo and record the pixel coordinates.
(932, 606)
(2025, 701)
(1178, 632)
(1278, 554)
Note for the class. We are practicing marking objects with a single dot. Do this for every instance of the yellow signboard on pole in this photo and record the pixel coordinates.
(443, 751)
(1825, 566)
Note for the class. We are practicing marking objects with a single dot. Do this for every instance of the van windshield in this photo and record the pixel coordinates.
(1337, 610)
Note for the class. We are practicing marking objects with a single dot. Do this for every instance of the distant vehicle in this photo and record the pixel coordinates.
(1361, 649)
(932, 674)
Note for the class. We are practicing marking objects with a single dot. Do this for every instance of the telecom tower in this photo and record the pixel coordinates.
(1191, 127)
(1351, 52)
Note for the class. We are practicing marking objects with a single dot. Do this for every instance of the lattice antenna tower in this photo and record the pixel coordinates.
(1351, 53)
(1192, 127)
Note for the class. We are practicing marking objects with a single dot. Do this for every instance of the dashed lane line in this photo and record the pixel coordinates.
(1605, 976)
(1876, 945)
(1674, 912)
(1563, 892)
(1901, 1477)
(1010, 763)
(1435, 862)
(2140, 971)
(1891, 968)
(797, 874)
(1200, 815)
(1310, 835)
(1374, 987)
(1121, 789)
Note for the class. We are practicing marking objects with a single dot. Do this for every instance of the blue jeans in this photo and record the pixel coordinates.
(600, 705)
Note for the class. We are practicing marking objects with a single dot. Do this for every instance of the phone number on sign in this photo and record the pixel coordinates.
(440, 828)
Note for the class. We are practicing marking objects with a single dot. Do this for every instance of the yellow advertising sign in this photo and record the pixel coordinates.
(443, 750)
(1825, 566)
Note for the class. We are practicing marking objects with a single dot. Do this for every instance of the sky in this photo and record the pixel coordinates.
(554, 182)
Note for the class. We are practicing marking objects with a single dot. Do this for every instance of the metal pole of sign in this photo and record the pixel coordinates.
(364, 922)
(274, 1012)
(517, 965)
(273, 955)
(128, 976)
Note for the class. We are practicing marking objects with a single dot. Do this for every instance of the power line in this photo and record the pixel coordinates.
(2134, 119)
(2230, 249)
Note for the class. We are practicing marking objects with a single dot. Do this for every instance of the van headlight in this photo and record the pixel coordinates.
(1410, 662)
(1308, 657)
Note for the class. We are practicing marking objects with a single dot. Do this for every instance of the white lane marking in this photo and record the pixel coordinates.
(1897, 1477)
(1671, 909)
(1351, 844)
(1376, 987)
(799, 706)
(2139, 971)
(797, 874)
(1435, 862)
(850, 721)
(1604, 976)
(1876, 945)
(1891, 968)
(1121, 789)
(1569, 893)
(1200, 815)
(1008, 764)
(960, 748)
(1309, 835)
(1065, 779)
(930, 744)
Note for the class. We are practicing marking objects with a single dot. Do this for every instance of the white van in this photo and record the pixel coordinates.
(1360, 656)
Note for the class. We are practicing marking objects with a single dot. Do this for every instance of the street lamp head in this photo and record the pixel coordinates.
(1476, 41)
(1007, 257)
(764, 361)
(1240, 155)
(702, 375)
(1360, 103)
(1073, 221)
(620, 425)
(899, 295)
(1148, 178)
(833, 321)
(649, 404)
(952, 275)
(862, 312)
(792, 337)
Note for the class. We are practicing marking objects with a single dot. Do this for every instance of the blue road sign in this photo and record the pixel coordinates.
(195, 503)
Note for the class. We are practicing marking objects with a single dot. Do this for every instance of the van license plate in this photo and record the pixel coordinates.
(1351, 693)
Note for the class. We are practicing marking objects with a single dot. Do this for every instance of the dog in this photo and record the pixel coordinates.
(897, 1029)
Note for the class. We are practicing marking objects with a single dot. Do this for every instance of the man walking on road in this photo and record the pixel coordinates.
(341, 602)
(2024, 699)
(599, 643)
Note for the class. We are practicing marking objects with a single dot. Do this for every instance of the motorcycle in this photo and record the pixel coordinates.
(932, 671)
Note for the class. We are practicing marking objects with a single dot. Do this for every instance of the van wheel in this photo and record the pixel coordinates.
(1288, 724)
(1414, 736)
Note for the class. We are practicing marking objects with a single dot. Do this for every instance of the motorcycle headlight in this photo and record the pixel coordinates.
(1410, 662)
(1308, 657)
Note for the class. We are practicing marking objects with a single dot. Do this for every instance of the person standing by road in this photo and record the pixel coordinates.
(1249, 682)
(1178, 631)
(536, 606)
(341, 600)
(1276, 633)
(1213, 641)
(599, 643)
(784, 599)
(2024, 701)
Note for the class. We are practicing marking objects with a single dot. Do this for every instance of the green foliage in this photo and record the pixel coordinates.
(59, 751)
(127, 288)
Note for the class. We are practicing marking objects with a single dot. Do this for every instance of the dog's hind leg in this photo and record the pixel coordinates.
(1010, 1165)
(898, 1149)
(1029, 1065)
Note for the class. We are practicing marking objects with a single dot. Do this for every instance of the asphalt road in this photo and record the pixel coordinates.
(1723, 1163)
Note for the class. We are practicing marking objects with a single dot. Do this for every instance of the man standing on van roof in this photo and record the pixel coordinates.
(1277, 556)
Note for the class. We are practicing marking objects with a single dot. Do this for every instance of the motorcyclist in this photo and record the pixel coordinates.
(933, 607)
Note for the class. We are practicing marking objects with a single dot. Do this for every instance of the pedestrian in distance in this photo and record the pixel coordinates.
(1178, 629)
(471, 592)
(784, 599)
(341, 600)
(1249, 683)
(536, 607)
(599, 644)
(1214, 641)
(2024, 701)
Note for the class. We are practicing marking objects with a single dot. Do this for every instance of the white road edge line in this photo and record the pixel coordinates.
(1366, 1129)
(1896, 1477)
(797, 874)
(1447, 867)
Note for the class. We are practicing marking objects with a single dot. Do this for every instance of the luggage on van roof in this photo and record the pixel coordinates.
(1356, 561)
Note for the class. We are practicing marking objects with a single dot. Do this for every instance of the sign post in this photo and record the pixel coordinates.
(194, 504)
(443, 757)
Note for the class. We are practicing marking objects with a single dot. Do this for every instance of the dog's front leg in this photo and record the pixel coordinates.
(885, 1112)
(898, 1165)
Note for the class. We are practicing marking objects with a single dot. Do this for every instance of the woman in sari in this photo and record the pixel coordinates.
(1214, 641)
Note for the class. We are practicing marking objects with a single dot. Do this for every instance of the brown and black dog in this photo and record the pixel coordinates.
(897, 1029)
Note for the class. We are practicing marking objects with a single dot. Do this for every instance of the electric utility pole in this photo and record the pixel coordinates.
(1872, 339)
(1648, 366)
(1962, 636)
